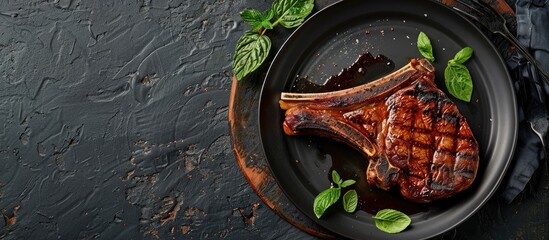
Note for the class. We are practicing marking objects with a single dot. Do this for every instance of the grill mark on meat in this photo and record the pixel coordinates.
(423, 130)
(452, 119)
(465, 155)
(410, 131)
(431, 97)
(413, 143)
(441, 151)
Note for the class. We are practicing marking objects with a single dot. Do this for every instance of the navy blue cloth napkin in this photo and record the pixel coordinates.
(533, 95)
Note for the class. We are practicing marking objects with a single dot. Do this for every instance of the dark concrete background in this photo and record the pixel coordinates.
(114, 126)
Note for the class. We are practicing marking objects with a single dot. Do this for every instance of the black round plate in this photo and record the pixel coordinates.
(333, 38)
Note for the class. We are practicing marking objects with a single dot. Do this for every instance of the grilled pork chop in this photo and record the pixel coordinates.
(412, 133)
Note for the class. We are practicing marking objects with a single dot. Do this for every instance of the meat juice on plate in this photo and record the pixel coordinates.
(366, 68)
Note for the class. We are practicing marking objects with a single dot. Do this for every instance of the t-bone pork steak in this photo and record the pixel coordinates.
(412, 134)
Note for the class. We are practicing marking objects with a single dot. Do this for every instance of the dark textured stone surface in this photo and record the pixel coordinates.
(114, 126)
(114, 122)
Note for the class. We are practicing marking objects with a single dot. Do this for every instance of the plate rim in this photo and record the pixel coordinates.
(513, 134)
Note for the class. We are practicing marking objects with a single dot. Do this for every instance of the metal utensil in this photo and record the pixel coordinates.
(488, 18)
(491, 20)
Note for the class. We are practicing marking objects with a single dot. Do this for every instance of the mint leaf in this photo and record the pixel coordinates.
(256, 19)
(336, 178)
(458, 81)
(291, 13)
(251, 51)
(391, 221)
(347, 183)
(350, 201)
(324, 200)
(424, 46)
(463, 55)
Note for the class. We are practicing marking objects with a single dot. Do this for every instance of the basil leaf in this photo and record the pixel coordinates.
(291, 13)
(257, 19)
(251, 51)
(458, 81)
(350, 201)
(336, 178)
(347, 183)
(463, 55)
(325, 199)
(391, 221)
(424, 46)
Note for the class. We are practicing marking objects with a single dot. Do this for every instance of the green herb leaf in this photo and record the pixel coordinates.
(391, 221)
(251, 51)
(253, 47)
(463, 55)
(257, 19)
(325, 199)
(347, 183)
(350, 201)
(336, 178)
(424, 46)
(291, 13)
(458, 81)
